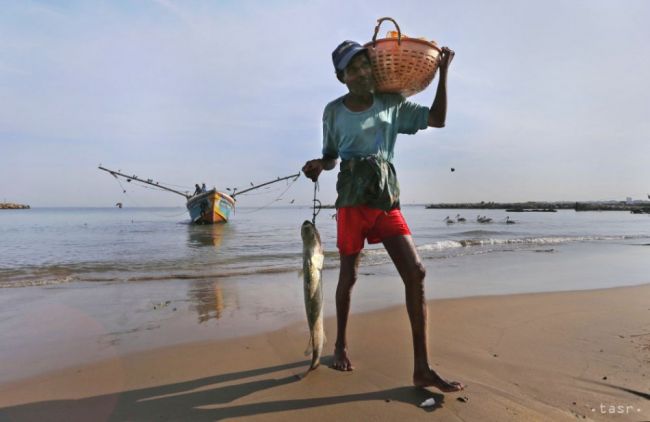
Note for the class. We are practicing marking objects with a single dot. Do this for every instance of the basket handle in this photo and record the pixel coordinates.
(379, 21)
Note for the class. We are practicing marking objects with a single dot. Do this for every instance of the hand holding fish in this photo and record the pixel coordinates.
(313, 169)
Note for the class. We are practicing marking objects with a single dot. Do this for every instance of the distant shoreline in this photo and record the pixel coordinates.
(12, 206)
(635, 207)
(638, 207)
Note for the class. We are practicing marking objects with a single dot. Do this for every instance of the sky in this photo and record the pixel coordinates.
(548, 100)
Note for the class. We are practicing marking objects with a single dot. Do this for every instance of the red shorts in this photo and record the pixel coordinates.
(356, 224)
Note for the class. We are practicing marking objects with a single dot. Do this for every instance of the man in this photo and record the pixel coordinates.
(361, 127)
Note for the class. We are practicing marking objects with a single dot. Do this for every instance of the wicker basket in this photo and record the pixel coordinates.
(402, 65)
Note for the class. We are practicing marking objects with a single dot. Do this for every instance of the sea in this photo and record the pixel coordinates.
(84, 284)
(58, 246)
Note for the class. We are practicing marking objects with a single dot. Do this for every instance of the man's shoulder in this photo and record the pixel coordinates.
(332, 108)
(334, 103)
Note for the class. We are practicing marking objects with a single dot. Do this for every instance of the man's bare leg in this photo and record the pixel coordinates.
(347, 278)
(407, 261)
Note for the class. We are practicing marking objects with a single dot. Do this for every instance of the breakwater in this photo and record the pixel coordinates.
(541, 206)
(12, 206)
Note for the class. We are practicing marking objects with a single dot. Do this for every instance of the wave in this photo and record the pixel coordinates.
(271, 263)
(548, 240)
(477, 233)
(38, 282)
(448, 245)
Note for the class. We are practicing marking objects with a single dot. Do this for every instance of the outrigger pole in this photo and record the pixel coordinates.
(279, 179)
(156, 184)
(148, 182)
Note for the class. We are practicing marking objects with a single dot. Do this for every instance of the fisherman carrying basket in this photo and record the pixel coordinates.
(361, 128)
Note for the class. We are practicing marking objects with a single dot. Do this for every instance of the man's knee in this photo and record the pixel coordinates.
(347, 279)
(419, 272)
(349, 271)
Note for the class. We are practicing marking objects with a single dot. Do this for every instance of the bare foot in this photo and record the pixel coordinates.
(341, 360)
(429, 378)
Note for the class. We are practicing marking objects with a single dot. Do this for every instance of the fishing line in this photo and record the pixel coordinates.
(138, 204)
(153, 188)
(317, 204)
(264, 191)
(178, 186)
(120, 183)
(275, 200)
(124, 191)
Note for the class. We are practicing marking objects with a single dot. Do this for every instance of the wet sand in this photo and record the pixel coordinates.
(544, 356)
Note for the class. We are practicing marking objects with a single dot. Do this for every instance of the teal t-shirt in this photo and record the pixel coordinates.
(348, 134)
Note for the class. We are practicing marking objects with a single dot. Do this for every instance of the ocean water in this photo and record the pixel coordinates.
(80, 285)
(57, 246)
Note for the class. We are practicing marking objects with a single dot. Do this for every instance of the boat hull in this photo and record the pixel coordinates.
(210, 207)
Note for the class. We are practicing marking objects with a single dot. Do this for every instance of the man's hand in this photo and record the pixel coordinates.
(446, 56)
(313, 169)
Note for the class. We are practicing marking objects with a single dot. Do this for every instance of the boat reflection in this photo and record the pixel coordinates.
(206, 235)
(210, 301)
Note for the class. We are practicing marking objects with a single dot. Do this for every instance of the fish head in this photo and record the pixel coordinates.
(309, 233)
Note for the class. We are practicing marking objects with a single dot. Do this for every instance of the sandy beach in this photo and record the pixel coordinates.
(159, 159)
(529, 357)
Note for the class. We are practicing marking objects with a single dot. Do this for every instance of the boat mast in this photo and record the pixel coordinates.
(279, 179)
(148, 182)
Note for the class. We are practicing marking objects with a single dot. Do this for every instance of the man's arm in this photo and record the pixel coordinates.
(313, 168)
(438, 110)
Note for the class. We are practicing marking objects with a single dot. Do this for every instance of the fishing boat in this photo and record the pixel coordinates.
(209, 207)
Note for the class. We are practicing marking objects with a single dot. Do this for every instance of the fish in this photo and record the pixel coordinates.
(312, 268)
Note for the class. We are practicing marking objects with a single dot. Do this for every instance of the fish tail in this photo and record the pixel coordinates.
(315, 360)
(317, 347)
(310, 347)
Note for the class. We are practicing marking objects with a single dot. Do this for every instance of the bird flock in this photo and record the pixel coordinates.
(481, 219)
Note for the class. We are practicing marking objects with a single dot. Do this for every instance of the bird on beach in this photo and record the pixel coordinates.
(460, 219)
(448, 220)
(509, 221)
